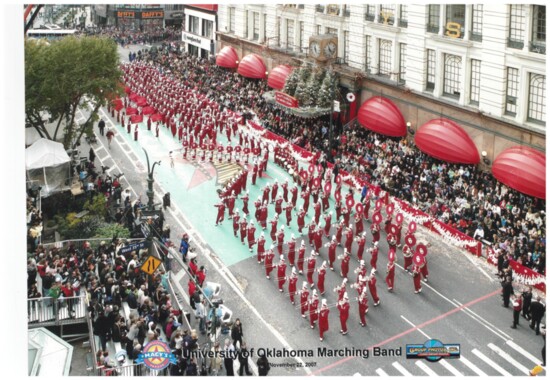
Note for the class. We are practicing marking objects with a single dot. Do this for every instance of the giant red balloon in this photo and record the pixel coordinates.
(446, 140)
(523, 169)
(382, 116)
(252, 66)
(228, 58)
(277, 76)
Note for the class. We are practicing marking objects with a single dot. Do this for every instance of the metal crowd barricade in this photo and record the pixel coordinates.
(131, 370)
(48, 310)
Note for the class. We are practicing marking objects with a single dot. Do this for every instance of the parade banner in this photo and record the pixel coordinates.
(286, 100)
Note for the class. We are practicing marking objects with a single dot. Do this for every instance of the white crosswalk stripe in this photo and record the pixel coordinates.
(471, 365)
(523, 352)
(450, 368)
(401, 369)
(509, 359)
(494, 365)
(425, 368)
(381, 372)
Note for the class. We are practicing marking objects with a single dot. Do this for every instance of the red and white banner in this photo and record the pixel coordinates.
(286, 100)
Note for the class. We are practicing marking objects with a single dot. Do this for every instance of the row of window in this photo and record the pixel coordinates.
(452, 78)
(207, 29)
(516, 31)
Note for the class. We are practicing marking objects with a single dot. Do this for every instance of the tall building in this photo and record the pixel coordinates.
(481, 65)
(201, 24)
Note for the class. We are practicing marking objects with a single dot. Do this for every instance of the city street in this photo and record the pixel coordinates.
(460, 304)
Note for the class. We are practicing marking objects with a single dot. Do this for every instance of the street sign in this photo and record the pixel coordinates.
(133, 247)
(145, 214)
(150, 265)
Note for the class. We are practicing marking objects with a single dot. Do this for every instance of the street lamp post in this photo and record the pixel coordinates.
(150, 181)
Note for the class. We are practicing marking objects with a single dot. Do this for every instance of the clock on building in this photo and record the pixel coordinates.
(323, 47)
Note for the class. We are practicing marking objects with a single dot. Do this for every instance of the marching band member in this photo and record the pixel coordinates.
(323, 319)
(243, 228)
(361, 240)
(292, 285)
(416, 279)
(407, 255)
(288, 212)
(304, 299)
(268, 261)
(328, 223)
(374, 256)
(311, 268)
(372, 288)
(250, 235)
(281, 273)
(301, 255)
(375, 229)
(274, 222)
(363, 303)
(341, 289)
(313, 304)
(261, 248)
(236, 218)
(390, 275)
(343, 308)
(344, 266)
(221, 212)
(332, 251)
(321, 272)
(291, 250)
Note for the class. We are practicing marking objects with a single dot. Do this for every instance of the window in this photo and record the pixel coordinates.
(332, 31)
(369, 15)
(474, 81)
(246, 31)
(430, 70)
(455, 19)
(346, 46)
(538, 38)
(433, 19)
(256, 26)
(537, 99)
(290, 33)
(384, 58)
(194, 24)
(387, 14)
(368, 53)
(451, 78)
(319, 8)
(301, 35)
(477, 22)
(278, 27)
(207, 29)
(512, 86)
(232, 19)
(347, 10)
(318, 30)
(402, 62)
(515, 37)
(403, 16)
(265, 28)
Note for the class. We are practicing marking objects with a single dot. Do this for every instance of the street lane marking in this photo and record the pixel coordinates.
(484, 320)
(471, 365)
(401, 369)
(450, 368)
(443, 362)
(523, 352)
(425, 368)
(510, 359)
(406, 332)
(491, 363)
(381, 372)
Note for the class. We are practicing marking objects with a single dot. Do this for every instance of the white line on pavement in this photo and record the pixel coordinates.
(471, 365)
(523, 352)
(468, 310)
(401, 369)
(381, 372)
(425, 368)
(491, 363)
(510, 359)
(443, 362)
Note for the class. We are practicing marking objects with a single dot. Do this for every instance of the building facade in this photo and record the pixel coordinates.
(199, 34)
(483, 66)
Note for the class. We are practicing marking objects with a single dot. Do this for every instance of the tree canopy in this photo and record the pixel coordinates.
(67, 75)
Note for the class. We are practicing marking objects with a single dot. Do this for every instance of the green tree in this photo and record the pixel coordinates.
(292, 82)
(326, 91)
(65, 76)
(313, 86)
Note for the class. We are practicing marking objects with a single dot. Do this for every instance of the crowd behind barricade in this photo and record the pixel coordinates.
(128, 36)
(463, 196)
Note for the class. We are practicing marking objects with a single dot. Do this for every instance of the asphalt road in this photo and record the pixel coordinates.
(461, 303)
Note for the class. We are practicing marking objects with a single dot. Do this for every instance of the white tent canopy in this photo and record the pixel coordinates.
(48, 165)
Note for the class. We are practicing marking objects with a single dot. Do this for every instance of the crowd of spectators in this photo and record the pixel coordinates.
(126, 36)
(463, 196)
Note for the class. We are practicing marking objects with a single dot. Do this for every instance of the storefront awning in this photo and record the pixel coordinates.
(447, 141)
(382, 116)
(252, 66)
(523, 169)
(277, 77)
(228, 58)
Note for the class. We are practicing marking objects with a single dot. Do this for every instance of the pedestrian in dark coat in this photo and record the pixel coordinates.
(243, 360)
(263, 365)
(237, 333)
(537, 312)
(507, 291)
(101, 126)
(527, 296)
